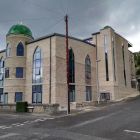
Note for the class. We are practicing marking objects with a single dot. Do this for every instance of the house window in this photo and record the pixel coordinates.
(5, 98)
(72, 93)
(88, 93)
(6, 72)
(19, 72)
(37, 94)
(1, 71)
(1, 95)
(20, 49)
(37, 77)
(8, 50)
(18, 96)
(71, 67)
(37, 66)
(113, 55)
(106, 56)
(88, 69)
(124, 72)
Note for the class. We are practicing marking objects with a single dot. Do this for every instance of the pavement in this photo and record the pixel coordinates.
(117, 121)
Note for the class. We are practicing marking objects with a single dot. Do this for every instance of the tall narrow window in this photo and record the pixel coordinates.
(106, 56)
(6, 72)
(37, 94)
(71, 75)
(8, 50)
(1, 95)
(72, 93)
(1, 71)
(37, 77)
(88, 70)
(124, 72)
(113, 55)
(71, 67)
(20, 49)
(88, 93)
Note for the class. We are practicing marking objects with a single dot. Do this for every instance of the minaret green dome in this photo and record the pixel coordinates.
(20, 29)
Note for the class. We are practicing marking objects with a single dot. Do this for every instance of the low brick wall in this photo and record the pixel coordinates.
(7, 108)
(47, 108)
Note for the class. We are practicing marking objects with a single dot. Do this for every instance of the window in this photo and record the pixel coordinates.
(104, 96)
(37, 66)
(87, 69)
(71, 67)
(106, 56)
(37, 77)
(5, 98)
(20, 49)
(37, 94)
(18, 96)
(124, 72)
(1, 71)
(88, 93)
(113, 55)
(19, 72)
(1, 95)
(72, 93)
(6, 72)
(8, 50)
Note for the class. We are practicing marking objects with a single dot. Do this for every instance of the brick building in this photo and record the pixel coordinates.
(34, 70)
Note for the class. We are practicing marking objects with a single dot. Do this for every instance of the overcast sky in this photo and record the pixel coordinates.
(85, 17)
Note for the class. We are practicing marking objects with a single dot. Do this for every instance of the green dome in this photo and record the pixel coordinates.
(20, 29)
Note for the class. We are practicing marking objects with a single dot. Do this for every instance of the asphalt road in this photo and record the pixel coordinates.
(119, 121)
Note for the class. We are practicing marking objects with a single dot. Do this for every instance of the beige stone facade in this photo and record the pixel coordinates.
(110, 76)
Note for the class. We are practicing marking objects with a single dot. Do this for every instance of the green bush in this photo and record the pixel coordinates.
(21, 106)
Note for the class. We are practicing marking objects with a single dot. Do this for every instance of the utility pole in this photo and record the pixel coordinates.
(67, 62)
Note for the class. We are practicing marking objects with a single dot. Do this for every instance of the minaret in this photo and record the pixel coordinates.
(15, 63)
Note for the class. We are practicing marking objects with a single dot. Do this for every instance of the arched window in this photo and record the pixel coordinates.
(37, 77)
(20, 49)
(87, 69)
(71, 67)
(8, 50)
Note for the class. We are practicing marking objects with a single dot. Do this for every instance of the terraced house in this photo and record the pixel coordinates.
(34, 70)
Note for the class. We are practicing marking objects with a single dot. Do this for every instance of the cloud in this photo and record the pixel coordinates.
(85, 17)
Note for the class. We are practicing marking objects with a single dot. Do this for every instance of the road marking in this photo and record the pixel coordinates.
(130, 131)
(20, 124)
(24, 123)
(6, 127)
(15, 124)
(2, 126)
(9, 135)
(94, 120)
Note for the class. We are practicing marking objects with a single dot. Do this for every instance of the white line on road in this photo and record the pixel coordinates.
(94, 120)
(9, 135)
(130, 131)
(6, 127)
(2, 126)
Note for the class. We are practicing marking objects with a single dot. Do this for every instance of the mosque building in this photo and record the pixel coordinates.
(35, 70)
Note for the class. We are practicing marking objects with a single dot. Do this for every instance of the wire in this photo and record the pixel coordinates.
(53, 25)
(45, 8)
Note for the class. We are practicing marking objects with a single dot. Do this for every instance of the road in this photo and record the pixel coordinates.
(120, 121)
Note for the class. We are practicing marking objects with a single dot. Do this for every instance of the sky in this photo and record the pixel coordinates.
(85, 17)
